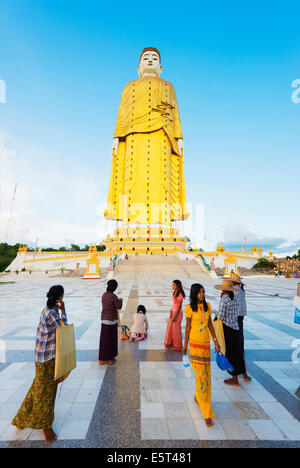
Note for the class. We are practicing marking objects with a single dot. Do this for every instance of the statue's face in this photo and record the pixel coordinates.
(149, 64)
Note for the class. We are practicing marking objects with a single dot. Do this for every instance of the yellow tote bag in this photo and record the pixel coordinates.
(218, 326)
(65, 358)
(119, 321)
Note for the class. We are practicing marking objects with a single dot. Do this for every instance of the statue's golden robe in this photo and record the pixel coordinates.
(147, 181)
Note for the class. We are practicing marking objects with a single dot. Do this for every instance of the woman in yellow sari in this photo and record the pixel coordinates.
(198, 325)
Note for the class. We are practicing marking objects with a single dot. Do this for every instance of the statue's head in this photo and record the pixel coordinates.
(149, 62)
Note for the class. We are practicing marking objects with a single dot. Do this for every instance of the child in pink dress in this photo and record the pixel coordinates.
(139, 329)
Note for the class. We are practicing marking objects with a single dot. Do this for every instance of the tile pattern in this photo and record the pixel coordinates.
(147, 394)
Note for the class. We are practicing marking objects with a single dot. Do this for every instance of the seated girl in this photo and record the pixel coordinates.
(139, 329)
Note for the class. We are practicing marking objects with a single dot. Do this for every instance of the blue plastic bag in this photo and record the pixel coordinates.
(297, 315)
(223, 363)
(187, 367)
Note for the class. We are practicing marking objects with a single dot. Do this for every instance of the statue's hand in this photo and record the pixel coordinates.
(180, 146)
(114, 146)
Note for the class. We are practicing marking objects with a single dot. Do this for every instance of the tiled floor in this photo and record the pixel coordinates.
(75, 403)
(172, 413)
(147, 394)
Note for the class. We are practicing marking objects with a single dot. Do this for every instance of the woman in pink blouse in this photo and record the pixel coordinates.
(173, 338)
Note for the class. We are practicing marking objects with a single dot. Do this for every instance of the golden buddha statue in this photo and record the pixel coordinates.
(147, 179)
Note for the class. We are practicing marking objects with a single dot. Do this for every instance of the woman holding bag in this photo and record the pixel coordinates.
(37, 410)
(228, 313)
(239, 291)
(198, 326)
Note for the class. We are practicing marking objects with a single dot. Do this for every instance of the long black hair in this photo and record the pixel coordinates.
(55, 292)
(195, 289)
(179, 289)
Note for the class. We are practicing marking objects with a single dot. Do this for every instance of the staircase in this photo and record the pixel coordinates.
(163, 266)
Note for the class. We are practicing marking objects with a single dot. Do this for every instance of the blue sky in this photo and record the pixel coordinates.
(232, 64)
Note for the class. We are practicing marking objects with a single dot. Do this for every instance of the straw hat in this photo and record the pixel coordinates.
(236, 279)
(225, 286)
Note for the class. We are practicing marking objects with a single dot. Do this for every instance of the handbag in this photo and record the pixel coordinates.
(119, 320)
(125, 335)
(65, 357)
(219, 332)
(223, 363)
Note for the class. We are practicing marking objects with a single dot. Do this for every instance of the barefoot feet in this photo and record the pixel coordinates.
(209, 422)
(20, 428)
(247, 378)
(49, 435)
(233, 382)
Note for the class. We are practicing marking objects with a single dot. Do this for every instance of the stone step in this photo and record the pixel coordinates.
(162, 264)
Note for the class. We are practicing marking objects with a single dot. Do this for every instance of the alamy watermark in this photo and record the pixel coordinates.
(2, 352)
(2, 92)
(296, 354)
(296, 93)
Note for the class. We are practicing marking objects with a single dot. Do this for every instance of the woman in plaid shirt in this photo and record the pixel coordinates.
(228, 313)
(239, 292)
(37, 410)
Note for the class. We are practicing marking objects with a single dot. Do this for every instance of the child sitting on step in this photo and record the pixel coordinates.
(139, 329)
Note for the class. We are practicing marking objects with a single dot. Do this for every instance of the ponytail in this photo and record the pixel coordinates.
(55, 292)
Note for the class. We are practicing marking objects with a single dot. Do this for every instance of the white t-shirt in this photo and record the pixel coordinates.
(140, 324)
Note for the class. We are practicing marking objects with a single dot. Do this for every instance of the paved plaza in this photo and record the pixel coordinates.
(145, 400)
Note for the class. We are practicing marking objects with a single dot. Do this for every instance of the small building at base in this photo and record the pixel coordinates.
(93, 268)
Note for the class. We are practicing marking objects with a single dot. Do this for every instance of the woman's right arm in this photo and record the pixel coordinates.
(187, 335)
(176, 312)
(222, 309)
(118, 302)
(61, 305)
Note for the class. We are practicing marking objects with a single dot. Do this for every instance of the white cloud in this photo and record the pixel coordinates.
(234, 237)
(54, 203)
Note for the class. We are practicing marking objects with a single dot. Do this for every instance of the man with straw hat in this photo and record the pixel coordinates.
(228, 313)
(239, 292)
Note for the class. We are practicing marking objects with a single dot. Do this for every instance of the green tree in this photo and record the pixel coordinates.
(75, 248)
(262, 264)
(7, 254)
